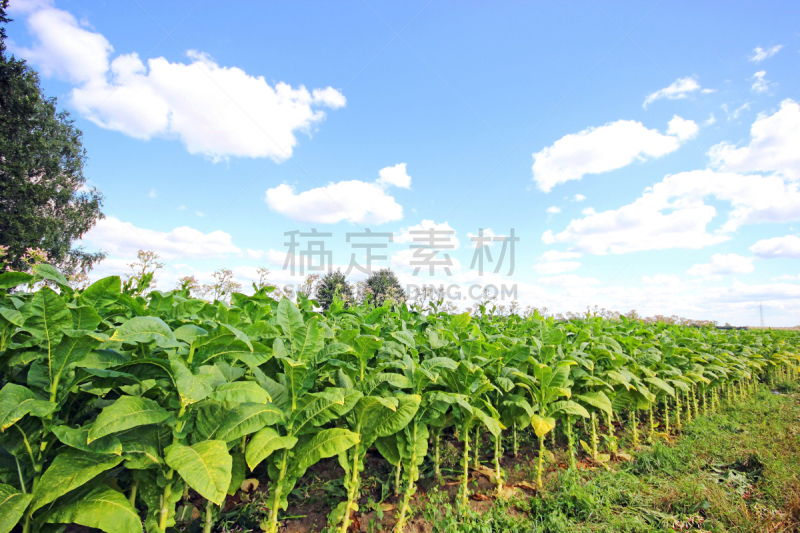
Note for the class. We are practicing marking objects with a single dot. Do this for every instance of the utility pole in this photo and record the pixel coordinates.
(761, 312)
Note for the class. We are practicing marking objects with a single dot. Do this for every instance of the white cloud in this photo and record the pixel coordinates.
(64, 49)
(772, 148)
(557, 267)
(396, 176)
(200, 214)
(356, 201)
(153, 193)
(711, 120)
(568, 280)
(579, 198)
(760, 54)
(683, 129)
(444, 231)
(680, 88)
(553, 210)
(723, 264)
(786, 277)
(181, 208)
(662, 279)
(760, 84)
(588, 211)
(120, 238)
(672, 213)
(555, 255)
(777, 247)
(215, 111)
(598, 150)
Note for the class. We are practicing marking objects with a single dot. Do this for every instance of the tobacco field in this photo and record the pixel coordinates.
(126, 412)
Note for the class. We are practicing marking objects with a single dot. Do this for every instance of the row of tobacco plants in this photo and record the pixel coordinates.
(118, 408)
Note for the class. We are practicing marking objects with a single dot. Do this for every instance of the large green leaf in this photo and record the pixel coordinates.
(102, 292)
(9, 280)
(307, 341)
(126, 413)
(79, 438)
(387, 447)
(326, 443)
(661, 384)
(264, 443)
(85, 317)
(205, 466)
(191, 387)
(289, 318)
(49, 272)
(240, 392)
(383, 422)
(67, 353)
(143, 329)
(12, 506)
(49, 317)
(598, 400)
(103, 508)
(247, 418)
(17, 401)
(69, 470)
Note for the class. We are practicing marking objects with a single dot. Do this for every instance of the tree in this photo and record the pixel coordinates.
(333, 284)
(383, 285)
(44, 200)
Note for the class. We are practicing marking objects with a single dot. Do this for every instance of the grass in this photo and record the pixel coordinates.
(734, 471)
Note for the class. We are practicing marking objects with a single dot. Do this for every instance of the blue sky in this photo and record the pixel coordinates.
(644, 153)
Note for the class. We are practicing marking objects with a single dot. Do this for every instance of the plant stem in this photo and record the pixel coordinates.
(132, 497)
(477, 460)
(465, 478)
(498, 446)
(353, 492)
(540, 463)
(209, 517)
(594, 436)
(571, 445)
(276, 497)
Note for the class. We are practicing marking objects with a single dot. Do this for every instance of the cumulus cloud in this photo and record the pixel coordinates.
(579, 198)
(555, 255)
(568, 280)
(442, 231)
(683, 129)
(556, 267)
(553, 210)
(120, 238)
(662, 279)
(680, 88)
(396, 176)
(777, 248)
(672, 213)
(357, 201)
(723, 264)
(760, 54)
(598, 150)
(214, 110)
(772, 148)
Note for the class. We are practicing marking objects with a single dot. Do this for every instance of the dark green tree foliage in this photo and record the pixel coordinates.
(384, 284)
(333, 284)
(43, 200)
